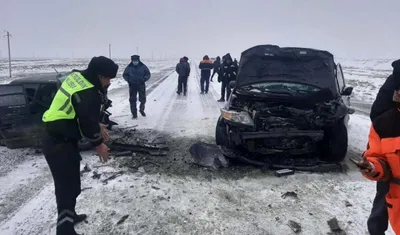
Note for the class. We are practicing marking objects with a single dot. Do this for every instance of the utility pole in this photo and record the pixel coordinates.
(8, 35)
(109, 50)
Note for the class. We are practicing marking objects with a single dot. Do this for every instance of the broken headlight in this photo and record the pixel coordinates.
(237, 117)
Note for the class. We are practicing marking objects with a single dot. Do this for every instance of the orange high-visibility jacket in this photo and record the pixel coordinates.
(384, 153)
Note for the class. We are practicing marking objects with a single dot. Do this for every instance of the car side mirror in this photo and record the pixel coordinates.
(232, 84)
(347, 91)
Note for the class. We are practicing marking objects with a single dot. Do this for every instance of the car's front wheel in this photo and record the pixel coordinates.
(333, 147)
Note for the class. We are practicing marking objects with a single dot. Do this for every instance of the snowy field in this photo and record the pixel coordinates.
(171, 195)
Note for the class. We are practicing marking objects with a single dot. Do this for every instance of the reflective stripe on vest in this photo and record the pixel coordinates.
(61, 106)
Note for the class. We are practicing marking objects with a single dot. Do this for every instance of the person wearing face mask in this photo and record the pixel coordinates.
(137, 74)
(74, 113)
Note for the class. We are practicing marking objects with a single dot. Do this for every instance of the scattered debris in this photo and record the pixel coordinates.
(86, 169)
(115, 175)
(209, 155)
(128, 141)
(122, 219)
(335, 228)
(289, 194)
(96, 175)
(37, 151)
(141, 170)
(284, 172)
(86, 189)
(123, 154)
(154, 187)
(296, 227)
(348, 204)
(101, 166)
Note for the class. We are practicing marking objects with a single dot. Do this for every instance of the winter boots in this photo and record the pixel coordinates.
(79, 218)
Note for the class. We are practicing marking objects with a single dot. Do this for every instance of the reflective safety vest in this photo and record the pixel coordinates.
(61, 106)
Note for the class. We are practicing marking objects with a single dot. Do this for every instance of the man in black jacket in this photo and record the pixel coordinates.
(183, 71)
(217, 67)
(228, 74)
(378, 219)
(75, 112)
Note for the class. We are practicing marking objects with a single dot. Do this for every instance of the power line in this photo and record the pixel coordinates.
(8, 35)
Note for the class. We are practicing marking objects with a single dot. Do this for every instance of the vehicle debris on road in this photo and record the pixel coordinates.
(335, 228)
(122, 220)
(296, 227)
(289, 194)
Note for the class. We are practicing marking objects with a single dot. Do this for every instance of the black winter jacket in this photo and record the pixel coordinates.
(87, 109)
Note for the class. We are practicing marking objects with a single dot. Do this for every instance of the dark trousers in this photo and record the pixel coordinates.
(379, 219)
(63, 158)
(182, 84)
(206, 80)
(134, 90)
(225, 87)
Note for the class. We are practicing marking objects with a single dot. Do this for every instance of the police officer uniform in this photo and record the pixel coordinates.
(74, 112)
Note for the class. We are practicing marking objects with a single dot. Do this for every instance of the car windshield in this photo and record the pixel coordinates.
(286, 88)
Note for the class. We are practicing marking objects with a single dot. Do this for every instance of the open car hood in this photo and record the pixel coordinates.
(265, 63)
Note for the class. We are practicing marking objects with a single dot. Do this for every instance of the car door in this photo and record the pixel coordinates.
(342, 85)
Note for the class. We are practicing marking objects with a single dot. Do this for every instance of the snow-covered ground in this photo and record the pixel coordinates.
(171, 195)
(366, 76)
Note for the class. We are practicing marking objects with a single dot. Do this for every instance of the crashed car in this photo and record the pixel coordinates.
(287, 102)
(22, 105)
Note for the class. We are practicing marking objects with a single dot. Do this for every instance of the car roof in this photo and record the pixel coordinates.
(43, 78)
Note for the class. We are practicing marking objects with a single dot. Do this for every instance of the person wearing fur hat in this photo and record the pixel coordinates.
(378, 220)
(74, 113)
(137, 74)
(206, 65)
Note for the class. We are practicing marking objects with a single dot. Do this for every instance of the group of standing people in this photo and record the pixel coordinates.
(226, 71)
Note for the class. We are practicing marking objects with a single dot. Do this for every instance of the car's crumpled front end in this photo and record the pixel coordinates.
(273, 127)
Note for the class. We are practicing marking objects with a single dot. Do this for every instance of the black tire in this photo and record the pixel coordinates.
(221, 137)
(333, 147)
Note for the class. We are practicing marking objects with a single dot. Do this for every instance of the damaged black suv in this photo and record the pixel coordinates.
(287, 102)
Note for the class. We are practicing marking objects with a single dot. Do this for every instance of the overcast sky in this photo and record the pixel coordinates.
(84, 28)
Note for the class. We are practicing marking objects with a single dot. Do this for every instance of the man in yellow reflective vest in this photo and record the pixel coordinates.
(74, 113)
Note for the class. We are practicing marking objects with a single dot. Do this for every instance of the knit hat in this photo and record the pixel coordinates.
(103, 66)
(206, 57)
(135, 57)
